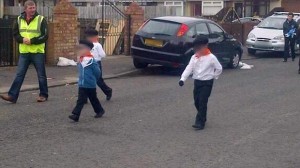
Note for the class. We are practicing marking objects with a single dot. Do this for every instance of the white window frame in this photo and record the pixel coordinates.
(175, 3)
(212, 3)
(1, 8)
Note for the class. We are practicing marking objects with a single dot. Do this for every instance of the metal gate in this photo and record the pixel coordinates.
(112, 28)
(110, 21)
(8, 47)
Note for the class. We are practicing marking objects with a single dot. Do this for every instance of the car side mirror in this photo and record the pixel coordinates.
(229, 36)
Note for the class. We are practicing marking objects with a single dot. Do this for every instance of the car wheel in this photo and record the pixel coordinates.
(235, 60)
(251, 51)
(139, 65)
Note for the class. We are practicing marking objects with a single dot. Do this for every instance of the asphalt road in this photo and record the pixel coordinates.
(253, 122)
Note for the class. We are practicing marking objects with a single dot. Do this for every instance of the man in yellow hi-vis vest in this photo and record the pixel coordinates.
(31, 34)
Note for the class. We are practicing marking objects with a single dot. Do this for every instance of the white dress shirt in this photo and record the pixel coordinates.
(203, 68)
(98, 52)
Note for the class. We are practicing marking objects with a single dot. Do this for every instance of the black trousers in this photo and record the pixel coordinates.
(289, 43)
(202, 91)
(83, 95)
(103, 86)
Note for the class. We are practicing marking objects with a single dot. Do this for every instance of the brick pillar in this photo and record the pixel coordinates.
(63, 32)
(136, 14)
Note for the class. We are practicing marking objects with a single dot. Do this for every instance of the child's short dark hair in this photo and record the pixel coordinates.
(200, 40)
(86, 43)
(91, 32)
(290, 14)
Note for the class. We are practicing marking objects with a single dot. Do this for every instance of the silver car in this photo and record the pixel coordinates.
(268, 35)
(248, 19)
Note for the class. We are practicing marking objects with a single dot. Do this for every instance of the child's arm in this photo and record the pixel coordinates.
(96, 70)
(188, 70)
(218, 68)
(100, 51)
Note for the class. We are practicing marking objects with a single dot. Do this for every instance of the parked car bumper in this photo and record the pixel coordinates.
(265, 45)
(157, 57)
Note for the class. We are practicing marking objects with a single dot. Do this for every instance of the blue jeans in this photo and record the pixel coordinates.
(38, 60)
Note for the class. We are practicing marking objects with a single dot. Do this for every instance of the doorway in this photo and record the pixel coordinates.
(239, 8)
(197, 9)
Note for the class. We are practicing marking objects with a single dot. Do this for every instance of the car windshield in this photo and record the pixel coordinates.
(156, 27)
(272, 23)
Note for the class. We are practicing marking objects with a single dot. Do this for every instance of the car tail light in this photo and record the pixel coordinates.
(182, 30)
(143, 24)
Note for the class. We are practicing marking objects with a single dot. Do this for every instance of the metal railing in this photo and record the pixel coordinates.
(8, 46)
(95, 12)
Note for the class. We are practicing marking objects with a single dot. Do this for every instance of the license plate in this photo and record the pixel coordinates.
(153, 43)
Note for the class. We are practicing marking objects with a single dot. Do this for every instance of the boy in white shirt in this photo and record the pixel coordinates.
(205, 67)
(98, 53)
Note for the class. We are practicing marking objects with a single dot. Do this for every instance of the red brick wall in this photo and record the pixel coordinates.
(136, 14)
(63, 32)
(291, 5)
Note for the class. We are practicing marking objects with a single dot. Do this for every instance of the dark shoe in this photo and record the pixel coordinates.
(99, 115)
(109, 95)
(299, 72)
(74, 117)
(8, 98)
(41, 99)
(284, 61)
(293, 59)
(198, 127)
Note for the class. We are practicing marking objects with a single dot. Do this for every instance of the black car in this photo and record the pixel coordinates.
(168, 41)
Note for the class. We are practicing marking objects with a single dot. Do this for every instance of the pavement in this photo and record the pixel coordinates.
(253, 122)
(113, 66)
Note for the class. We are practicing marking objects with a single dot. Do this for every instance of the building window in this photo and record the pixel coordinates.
(174, 8)
(9, 3)
(212, 7)
(257, 7)
(79, 3)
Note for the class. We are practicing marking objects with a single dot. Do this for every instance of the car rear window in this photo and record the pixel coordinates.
(156, 27)
(272, 23)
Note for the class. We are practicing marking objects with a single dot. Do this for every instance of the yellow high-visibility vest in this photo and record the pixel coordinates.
(31, 30)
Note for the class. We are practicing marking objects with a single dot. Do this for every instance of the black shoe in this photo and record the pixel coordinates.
(284, 61)
(198, 127)
(109, 95)
(299, 72)
(293, 59)
(74, 117)
(99, 115)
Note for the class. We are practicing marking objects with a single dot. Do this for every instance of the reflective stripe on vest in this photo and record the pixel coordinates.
(31, 30)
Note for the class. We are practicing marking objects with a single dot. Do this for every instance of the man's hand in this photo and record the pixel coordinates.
(181, 83)
(26, 41)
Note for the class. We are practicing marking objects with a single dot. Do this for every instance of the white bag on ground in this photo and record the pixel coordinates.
(245, 66)
(66, 62)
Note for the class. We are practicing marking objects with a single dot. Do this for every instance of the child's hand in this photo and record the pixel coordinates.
(181, 83)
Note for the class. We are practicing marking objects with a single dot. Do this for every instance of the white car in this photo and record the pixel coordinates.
(248, 19)
(268, 34)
